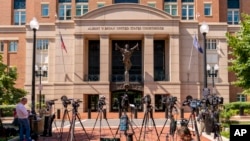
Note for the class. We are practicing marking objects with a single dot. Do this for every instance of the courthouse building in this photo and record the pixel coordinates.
(165, 63)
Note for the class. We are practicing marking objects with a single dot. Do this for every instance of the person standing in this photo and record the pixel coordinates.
(49, 117)
(23, 120)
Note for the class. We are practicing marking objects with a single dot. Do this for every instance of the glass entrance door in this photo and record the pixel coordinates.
(134, 97)
(93, 102)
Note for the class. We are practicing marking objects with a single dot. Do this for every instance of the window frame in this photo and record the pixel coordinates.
(208, 8)
(188, 16)
(171, 9)
(14, 46)
(232, 13)
(20, 13)
(212, 44)
(152, 4)
(82, 8)
(100, 4)
(65, 7)
(241, 97)
(45, 10)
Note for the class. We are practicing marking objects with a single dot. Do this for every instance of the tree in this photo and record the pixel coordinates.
(8, 93)
(239, 44)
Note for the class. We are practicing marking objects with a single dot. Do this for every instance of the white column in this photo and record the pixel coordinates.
(79, 59)
(148, 58)
(104, 58)
(174, 58)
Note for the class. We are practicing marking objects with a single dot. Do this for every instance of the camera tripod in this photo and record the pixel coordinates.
(148, 114)
(99, 115)
(75, 115)
(124, 124)
(65, 113)
(173, 122)
(194, 123)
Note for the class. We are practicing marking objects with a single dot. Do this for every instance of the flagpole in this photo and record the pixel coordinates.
(62, 53)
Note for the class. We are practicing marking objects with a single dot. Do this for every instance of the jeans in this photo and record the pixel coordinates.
(24, 126)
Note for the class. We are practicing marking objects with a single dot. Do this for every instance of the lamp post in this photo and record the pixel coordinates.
(34, 25)
(212, 72)
(204, 28)
(40, 72)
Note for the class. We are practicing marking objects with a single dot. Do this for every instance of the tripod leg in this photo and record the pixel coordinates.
(164, 126)
(95, 124)
(196, 128)
(151, 114)
(71, 129)
(62, 124)
(77, 115)
(109, 127)
(142, 125)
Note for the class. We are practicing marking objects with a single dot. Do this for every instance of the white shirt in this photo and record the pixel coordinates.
(21, 111)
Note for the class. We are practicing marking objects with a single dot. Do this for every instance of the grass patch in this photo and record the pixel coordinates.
(225, 134)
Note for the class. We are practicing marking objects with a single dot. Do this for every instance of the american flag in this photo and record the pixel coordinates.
(62, 43)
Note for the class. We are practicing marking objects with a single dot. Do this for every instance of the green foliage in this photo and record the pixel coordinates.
(239, 44)
(225, 134)
(7, 110)
(8, 93)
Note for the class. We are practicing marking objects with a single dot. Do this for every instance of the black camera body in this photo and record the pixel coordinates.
(146, 100)
(51, 102)
(192, 103)
(184, 122)
(65, 101)
(101, 102)
(76, 104)
(215, 100)
(169, 100)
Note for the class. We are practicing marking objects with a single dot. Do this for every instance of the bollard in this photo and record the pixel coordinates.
(58, 113)
(182, 113)
(166, 112)
(129, 137)
(104, 114)
(89, 113)
(135, 110)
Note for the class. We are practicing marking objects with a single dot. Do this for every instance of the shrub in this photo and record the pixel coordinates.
(7, 110)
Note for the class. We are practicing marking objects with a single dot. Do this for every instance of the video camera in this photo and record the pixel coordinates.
(51, 102)
(146, 99)
(75, 103)
(215, 100)
(169, 100)
(65, 101)
(193, 103)
(101, 101)
(184, 122)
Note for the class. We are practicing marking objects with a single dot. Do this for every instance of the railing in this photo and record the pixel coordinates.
(132, 78)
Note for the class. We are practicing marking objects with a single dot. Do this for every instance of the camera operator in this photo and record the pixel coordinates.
(49, 117)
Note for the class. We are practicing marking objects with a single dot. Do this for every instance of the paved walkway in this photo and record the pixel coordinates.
(95, 128)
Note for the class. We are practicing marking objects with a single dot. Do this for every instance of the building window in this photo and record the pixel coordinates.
(94, 60)
(233, 16)
(211, 44)
(42, 44)
(81, 8)
(19, 17)
(42, 57)
(45, 10)
(100, 4)
(233, 4)
(1, 46)
(207, 9)
(64, 10)
(241, 97)
(171, 8)
(159, 60)
(151, 4)
(126, 1)
(159, 106)
(13, 46)
(187, 11)
(19, 12)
